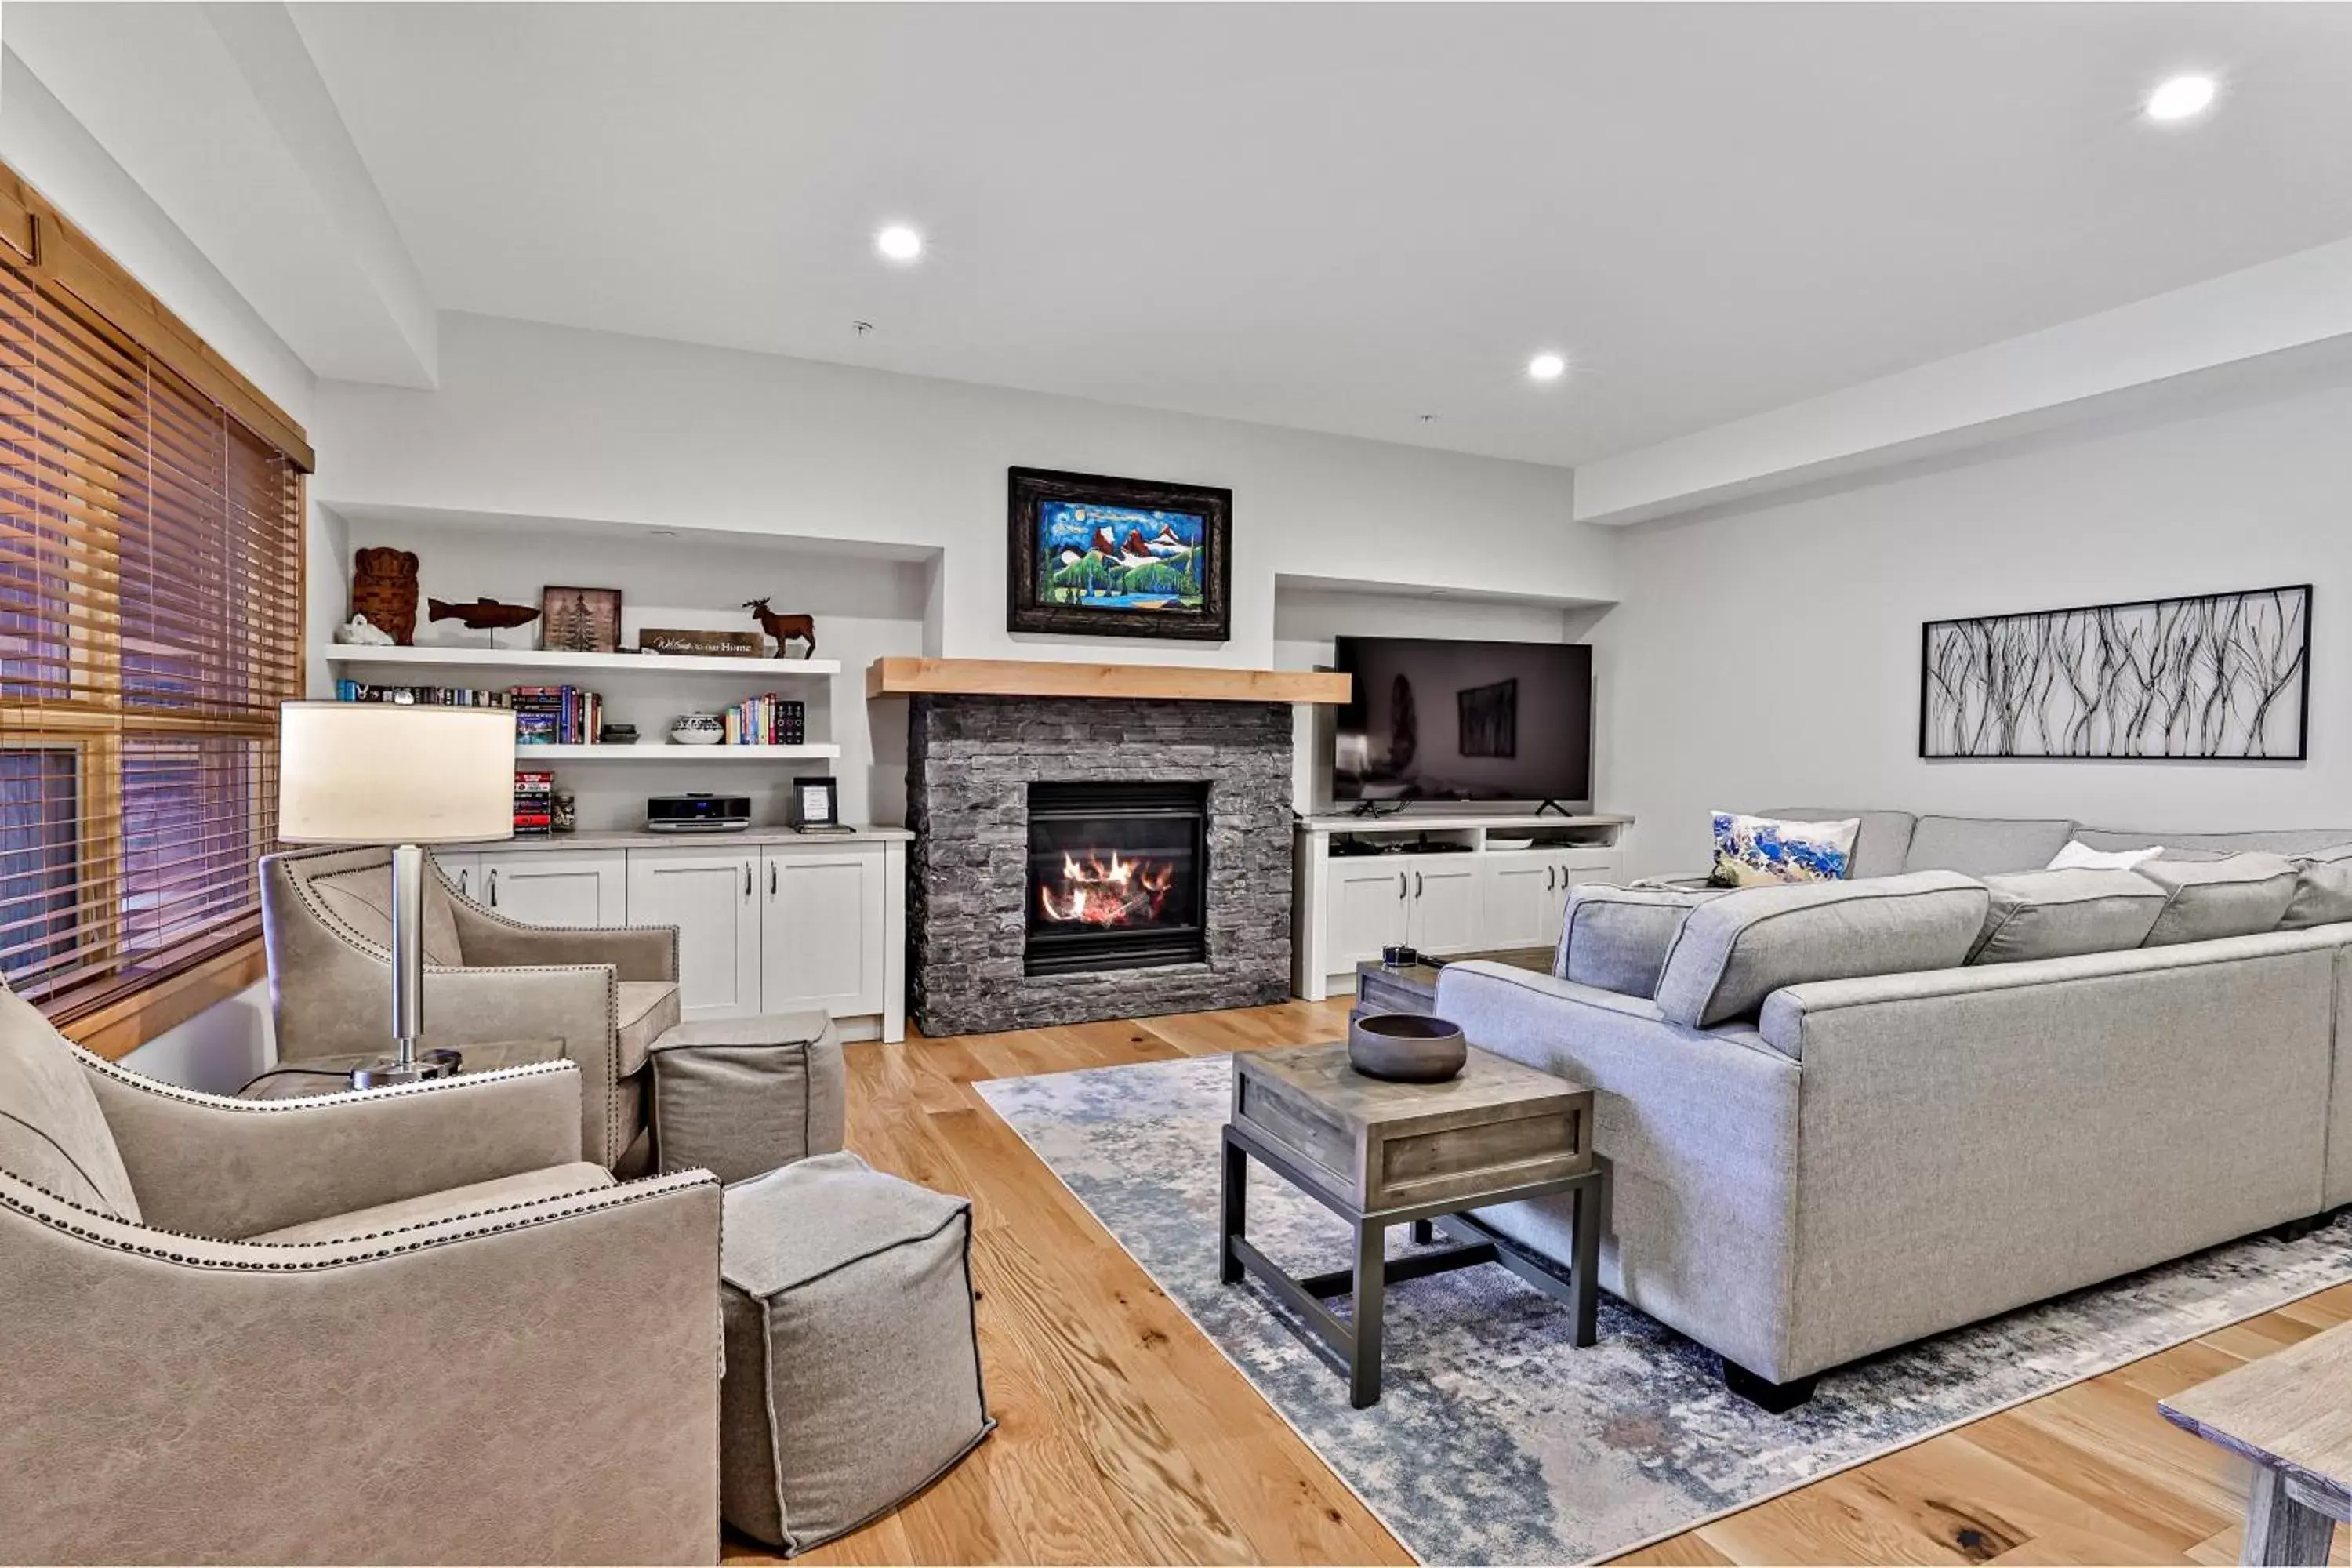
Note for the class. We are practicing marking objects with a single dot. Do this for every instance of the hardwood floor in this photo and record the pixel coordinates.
(1126, 1436)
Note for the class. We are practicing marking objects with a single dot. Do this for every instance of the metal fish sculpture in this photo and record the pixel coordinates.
(482, 614)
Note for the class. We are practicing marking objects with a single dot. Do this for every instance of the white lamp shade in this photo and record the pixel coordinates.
(379, 772)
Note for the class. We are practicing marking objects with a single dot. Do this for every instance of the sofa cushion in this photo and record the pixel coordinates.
(2280, 841)
(1735, 950)
(2058, 914)
(645, 1008)
(1878, 848)
(2238, 895)
(362, 899)
(1616, 938)
(1760, 852)
(1986, 846)
(52, 1132)
(2323, 889)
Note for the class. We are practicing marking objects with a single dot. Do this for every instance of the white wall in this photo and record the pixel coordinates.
(548, 422)
(1772, 657)
(51, 149)
(219, 1050)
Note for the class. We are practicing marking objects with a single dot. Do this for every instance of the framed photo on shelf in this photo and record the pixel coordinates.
(1100, 556)
(580, 620)
(816, 805)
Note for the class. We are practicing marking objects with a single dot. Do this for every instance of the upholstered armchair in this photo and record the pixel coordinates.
(599, 997)
(410, 1325)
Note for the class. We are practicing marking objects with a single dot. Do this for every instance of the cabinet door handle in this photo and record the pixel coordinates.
(1565, 880)
(772, 879)
(1401, 887)
(494, 889)
(1416, 884)
(747, 878)
(1548, 876)
(465, 876)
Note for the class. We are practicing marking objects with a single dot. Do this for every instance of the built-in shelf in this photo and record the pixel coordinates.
(663, 752)
(907, 676)
(527, 658)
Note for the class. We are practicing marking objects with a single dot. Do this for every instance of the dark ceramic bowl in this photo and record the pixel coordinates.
(1406, 1047)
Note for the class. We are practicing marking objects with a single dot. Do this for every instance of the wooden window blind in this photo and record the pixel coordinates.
(151, 621)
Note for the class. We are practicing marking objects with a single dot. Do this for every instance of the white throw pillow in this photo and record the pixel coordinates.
(2080, 856)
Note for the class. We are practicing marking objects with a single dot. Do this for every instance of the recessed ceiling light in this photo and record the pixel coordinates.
(2182, 97)
(899, 243)
(1548, 367)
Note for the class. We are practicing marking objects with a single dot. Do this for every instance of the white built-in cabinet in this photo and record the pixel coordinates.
(1443, 885)
(584, 887)
(762, 927)
(712, 898)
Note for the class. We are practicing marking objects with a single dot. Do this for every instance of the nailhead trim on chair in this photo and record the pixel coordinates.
(341, 1097)
(590, 1202)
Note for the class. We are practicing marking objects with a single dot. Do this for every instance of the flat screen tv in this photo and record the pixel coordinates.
(1438, 720)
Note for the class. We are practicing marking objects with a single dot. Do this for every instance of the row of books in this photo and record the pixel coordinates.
(420, 696)
(534, 803)
(555, 715)
(767, 720)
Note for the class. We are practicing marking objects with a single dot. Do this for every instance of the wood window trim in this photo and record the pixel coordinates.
(114, 1029)
(55, 251)
(115, 1015)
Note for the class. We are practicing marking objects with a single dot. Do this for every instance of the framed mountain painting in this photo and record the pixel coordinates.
(1128, 558)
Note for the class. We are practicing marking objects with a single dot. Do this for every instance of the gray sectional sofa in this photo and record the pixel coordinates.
(1852, 1164)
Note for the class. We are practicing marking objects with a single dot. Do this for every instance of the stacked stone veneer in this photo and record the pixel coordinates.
(970, 762)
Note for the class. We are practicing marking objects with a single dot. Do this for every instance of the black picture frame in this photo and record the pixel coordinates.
(826, 789)
(1026, 610)
(2269, 667)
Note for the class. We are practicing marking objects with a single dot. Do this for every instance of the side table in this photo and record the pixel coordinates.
(1380, 1154)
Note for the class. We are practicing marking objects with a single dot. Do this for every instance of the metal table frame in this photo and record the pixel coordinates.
(1352, 1347)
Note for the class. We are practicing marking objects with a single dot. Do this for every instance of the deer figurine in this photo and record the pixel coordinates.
(783, 627)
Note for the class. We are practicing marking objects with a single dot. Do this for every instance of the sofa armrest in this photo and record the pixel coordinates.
(489, 940)
(208, 1166)
(527, 1385)
(1699, 1128)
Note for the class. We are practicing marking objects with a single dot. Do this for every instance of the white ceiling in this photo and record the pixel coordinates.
(1341, 217)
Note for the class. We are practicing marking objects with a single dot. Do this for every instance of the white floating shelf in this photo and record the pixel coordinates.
(663, 752)
(525, 658)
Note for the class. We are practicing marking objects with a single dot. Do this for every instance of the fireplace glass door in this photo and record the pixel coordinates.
(1118, 875)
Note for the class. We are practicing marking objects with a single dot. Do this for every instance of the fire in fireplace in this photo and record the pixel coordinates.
(1118, 875)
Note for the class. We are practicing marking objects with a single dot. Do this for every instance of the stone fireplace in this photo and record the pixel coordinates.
(1080, 857)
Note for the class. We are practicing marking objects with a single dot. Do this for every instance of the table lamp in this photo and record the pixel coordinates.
(378, 773)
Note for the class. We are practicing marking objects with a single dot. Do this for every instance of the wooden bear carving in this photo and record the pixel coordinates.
(384, 589)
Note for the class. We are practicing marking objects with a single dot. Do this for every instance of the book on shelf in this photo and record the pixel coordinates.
(556, 715)
(420, 696)
(534, 803)
(771, 719)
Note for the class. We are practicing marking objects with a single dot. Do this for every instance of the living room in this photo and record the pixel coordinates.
(731, 827)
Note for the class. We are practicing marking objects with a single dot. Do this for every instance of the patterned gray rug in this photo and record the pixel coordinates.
(1495, 1440)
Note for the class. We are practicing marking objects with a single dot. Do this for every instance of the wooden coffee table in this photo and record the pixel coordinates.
(2290, 1414)
(1380, 1154)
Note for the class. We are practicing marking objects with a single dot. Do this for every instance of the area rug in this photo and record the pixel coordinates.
(1495, 1440)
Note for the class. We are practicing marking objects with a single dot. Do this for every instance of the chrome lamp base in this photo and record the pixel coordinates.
(416, 1069)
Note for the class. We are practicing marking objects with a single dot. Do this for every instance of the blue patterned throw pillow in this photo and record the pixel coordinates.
(1757, 851)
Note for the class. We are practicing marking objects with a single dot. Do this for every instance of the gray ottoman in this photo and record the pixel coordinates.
(740, 1096)
(851, 1358)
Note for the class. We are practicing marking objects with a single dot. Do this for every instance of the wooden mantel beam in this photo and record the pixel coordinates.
(901, 676)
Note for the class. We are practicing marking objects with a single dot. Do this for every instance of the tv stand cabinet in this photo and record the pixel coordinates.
(1442, 883)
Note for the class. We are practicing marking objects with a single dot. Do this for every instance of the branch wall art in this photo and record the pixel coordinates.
(2220, 676)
